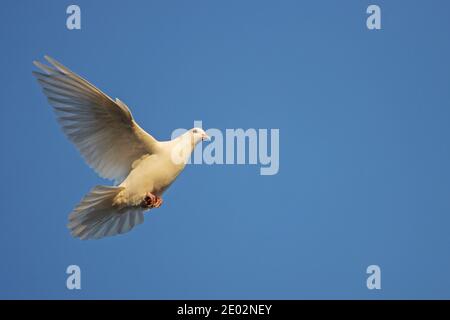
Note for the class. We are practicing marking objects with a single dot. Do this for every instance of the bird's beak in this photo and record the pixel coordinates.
(205, 137)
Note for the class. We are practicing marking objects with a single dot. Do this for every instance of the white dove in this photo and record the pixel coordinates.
(114, 145)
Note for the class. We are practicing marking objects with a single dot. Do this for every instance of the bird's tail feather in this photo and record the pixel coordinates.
(95, 216)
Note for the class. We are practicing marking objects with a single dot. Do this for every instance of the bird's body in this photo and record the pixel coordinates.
(114, 145)
(152, 173)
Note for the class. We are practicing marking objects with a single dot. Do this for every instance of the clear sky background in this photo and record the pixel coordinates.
(364, 149)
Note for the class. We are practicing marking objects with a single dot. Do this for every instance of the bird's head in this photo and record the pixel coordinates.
(185, 144)
(197, 135)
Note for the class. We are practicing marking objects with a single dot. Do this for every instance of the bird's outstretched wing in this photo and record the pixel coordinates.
(102, 129)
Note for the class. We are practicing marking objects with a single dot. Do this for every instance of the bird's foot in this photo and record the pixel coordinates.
(151, 201)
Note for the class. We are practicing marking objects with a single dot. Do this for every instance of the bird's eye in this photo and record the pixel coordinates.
(194, 131)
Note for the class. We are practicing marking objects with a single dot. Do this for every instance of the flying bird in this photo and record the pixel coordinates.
(117, 148)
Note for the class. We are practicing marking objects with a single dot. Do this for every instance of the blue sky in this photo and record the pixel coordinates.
(364, 149)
